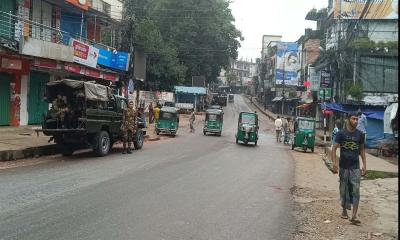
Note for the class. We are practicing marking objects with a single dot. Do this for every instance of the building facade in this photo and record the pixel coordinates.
(42, 41)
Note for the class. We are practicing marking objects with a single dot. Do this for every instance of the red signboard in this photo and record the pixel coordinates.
(75, 68)
(46, 63)
(80, 50)
(110, 76)
(82, 4)
(92, 73)
(14, 65)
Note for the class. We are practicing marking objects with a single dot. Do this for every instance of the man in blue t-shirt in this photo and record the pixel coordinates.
(351, 143)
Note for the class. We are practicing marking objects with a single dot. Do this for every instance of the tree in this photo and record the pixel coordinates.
(185, 38)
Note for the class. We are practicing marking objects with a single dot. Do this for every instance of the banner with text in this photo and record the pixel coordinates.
(287, 63)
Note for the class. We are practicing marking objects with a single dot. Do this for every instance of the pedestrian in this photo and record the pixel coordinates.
(351, 143)
(157, 110)
(335, 131)
(192, 118)
(362, 123)
(278, 128)
(151, 118)
(128, 127)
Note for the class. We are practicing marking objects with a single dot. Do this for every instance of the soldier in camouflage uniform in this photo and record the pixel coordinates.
(129, 124)
(60, 108)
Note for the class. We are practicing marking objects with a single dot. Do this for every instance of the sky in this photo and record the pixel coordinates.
(255, 18)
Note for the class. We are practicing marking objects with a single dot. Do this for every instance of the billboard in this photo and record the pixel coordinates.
(85, 54)
(287, 63)
(378, 9)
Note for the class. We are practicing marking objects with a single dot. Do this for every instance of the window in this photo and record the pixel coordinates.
(306, 125)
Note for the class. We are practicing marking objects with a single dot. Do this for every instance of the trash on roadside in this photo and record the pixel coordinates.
(377, 234)
(327, 221)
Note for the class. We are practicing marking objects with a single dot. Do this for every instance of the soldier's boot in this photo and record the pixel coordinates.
(124, 151)
(129, 148)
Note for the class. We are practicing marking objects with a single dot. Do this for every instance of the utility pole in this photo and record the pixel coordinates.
(283, 84)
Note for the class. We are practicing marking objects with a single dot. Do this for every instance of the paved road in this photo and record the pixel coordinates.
(188, 187)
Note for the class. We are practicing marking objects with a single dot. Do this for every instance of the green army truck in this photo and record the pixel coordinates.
(85, 115)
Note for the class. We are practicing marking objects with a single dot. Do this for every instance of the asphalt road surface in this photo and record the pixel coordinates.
(188, 187)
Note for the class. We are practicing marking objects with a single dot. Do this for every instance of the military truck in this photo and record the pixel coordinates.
(85, 115)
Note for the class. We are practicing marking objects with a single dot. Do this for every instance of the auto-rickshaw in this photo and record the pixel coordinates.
(231, 98)
(304, 133)
(213, 122)
(247, 129)
(168, 122)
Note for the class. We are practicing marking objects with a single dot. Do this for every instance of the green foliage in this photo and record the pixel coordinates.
(185, 38)
(368, 44)
(354, 90)
(231, 78)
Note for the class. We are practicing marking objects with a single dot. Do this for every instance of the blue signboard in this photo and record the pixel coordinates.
(104, 58)
(118, 60)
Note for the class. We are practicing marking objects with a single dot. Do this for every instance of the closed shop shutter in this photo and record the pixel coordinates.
(5, 99)
(6, 27)
(36, 105)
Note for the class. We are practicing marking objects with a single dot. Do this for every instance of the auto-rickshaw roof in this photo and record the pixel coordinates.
(214, 111)
(250, 113)
(169, 109)
(305, 119)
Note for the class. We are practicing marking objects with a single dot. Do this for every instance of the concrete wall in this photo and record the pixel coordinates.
(312, 49)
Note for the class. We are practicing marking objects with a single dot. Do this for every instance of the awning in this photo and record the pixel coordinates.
(276, 99)
(368, 112)
(304, 106)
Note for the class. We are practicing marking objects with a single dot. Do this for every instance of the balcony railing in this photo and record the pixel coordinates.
(13, 27)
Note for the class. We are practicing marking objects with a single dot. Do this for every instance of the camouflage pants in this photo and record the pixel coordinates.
(128, 136)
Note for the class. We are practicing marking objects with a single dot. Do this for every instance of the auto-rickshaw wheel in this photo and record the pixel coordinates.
(255, 143)
(237, 140)
(312, 149)
(246, 141)
(305, 149)
(292, 146)
(204, 132)
(157, 132)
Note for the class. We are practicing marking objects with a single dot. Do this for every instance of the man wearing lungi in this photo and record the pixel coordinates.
(350, 140)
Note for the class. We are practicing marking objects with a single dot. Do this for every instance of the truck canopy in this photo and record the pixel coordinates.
(91, 90)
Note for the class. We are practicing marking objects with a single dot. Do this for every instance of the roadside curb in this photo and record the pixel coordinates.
(31, 152)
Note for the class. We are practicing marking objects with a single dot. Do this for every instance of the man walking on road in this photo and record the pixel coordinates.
(278, 128)
(351, 143)
(362, 123)
(191, 121)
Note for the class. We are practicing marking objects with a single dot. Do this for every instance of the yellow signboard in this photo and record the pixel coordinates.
(378, 9)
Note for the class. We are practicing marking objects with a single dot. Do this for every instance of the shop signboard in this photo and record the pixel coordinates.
(325, 80)
(117, 60)
(82, 4)
(326, 91)
(377, 9)
(46, 63)
(287, 63)
(74, 68)
(85, 54)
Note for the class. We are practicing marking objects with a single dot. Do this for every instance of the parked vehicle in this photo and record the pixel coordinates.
(213, 122)
(231, 98)
(222, 99)
(168, 122)
(247, 129)
(304, 133)
(90, 118)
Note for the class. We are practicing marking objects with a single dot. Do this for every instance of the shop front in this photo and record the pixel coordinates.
(12, 69)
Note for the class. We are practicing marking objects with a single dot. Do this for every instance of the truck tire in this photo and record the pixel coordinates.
(138, 141)
(102, 143)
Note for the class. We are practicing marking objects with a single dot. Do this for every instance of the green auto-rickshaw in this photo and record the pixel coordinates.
(213, 122)
(247, 129)
(168, 122)
(304, 133)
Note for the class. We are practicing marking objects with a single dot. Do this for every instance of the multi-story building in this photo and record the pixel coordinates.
(363, 37)
(42, 41)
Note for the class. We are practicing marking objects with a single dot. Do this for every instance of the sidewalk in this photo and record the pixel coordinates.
(23, 142)
(376, 162)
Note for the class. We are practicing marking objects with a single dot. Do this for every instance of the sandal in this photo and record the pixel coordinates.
(355, 221)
